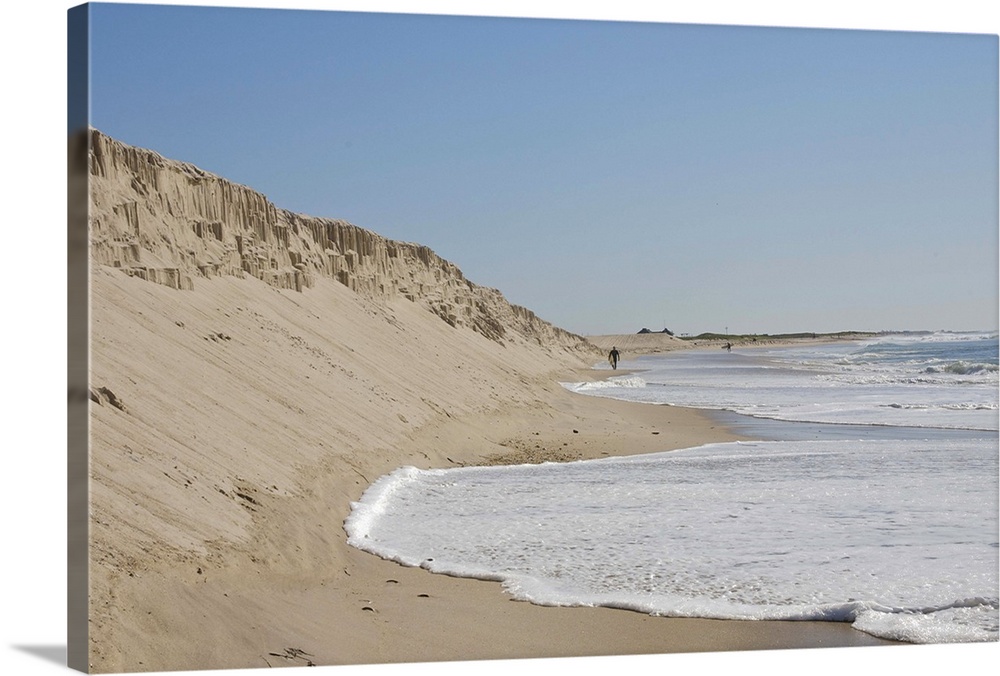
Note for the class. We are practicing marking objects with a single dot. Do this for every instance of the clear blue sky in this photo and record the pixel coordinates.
(609, 175)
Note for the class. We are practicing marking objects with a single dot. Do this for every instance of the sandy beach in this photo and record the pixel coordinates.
(251, 372)
(231, 552)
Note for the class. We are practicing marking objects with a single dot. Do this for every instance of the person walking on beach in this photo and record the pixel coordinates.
(613, 357)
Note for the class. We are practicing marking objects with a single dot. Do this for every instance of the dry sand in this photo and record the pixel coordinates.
(239, 434)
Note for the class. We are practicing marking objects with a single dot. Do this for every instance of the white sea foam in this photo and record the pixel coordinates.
(623, 382)
(897, 538)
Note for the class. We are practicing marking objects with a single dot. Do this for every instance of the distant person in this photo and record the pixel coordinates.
(613, 357)
(729, 347)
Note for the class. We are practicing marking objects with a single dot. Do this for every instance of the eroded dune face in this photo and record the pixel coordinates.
(172, 223)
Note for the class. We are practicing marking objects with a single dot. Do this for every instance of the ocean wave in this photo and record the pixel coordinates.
(934, 337)
(943, 407)
(963, 368)
(963, 621)
(932, 376)
(970, 407)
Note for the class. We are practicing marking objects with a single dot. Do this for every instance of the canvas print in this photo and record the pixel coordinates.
(408, 338)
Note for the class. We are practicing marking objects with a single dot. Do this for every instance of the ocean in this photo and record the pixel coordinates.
(872, 497)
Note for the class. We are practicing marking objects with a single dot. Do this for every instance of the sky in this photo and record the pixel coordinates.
(609, 175)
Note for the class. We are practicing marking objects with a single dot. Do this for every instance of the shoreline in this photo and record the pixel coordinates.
(328, 603)
(216, 532)
(580, 428)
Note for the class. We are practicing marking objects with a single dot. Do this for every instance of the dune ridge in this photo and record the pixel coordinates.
(173, 223)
